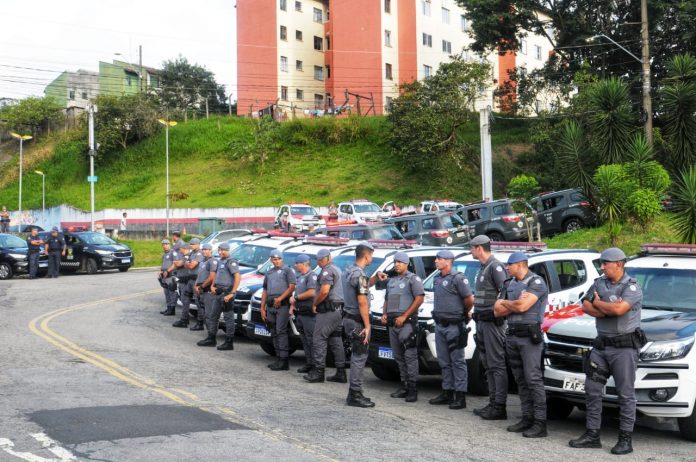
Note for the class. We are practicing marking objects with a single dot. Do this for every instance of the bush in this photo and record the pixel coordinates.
(643, 206)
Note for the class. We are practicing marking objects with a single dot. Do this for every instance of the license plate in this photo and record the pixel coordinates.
(125, 260)
(573, 384)
(460, 234)
(43, 264)
(262, 331)
(69, 257)
(385, 353)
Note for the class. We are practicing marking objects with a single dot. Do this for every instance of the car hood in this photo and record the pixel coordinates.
(21, 250)
(657, 325)
(110, 247)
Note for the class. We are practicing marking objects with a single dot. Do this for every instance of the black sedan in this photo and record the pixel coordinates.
(13, 257)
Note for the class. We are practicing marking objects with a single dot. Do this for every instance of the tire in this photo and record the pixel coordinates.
(495, 236)
(687, 426)
(91, 266)
(558, 409)
(269, 349)
(385, 373)
(572, 224)
(478, 383)
(6, 271)
(123, 270)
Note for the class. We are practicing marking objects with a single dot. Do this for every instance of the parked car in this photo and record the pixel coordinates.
(224, 235)
(385, 232)
(497, 220)
(439, 205)
(91, 252)
(443, 228)
(297, 216)
(563, 211)
(360, 211)
(13, 257)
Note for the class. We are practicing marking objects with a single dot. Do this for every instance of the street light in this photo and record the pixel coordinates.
(43, 196)
(167, 124)
(22, 139)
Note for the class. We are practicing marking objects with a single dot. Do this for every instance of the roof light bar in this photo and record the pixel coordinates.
(518, 246)
(673, 249)
(392, 243)
(280, 234)
(318, 240)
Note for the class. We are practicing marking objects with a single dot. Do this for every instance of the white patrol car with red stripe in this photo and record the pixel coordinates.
(298, 216)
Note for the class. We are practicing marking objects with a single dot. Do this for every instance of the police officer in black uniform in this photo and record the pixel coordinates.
(615, 300)
(35, 243)
(301, 307)
(224, 289)
(404, 295)
(524, 301)
(490, 331)
(278, 286)
(166, 277)
(55, 248)
(204, 281)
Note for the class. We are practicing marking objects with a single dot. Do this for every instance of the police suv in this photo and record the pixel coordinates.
(361, 211)
(299, 216)
(666, 377)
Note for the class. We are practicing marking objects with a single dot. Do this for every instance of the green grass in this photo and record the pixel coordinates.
(146, 253)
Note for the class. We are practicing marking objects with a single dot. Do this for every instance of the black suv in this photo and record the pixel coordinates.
(13, 257)
(385, 232)
(497, 220)
(563, 211)
(91, 252)
(432, 228)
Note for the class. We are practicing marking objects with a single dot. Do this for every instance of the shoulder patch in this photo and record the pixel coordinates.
(537, 281)
(314, 277)
(418, 278)
(632, 287)
(444, 283)
(325, 273)
(499, 269)
(466, 281)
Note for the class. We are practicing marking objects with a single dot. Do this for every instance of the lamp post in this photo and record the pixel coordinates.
(22, 139)
(43, 196)
(167, 124)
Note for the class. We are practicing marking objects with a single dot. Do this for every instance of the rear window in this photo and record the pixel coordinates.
(306, 210)
(344, 261)
(251, 255)
(451, 221)
(385, 233)
(577, 197)
(503, 209)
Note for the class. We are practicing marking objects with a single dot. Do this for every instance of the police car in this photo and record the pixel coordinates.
(666, 376)
(298, 216)
(91, 252)
(439, 205)
(568, 274)
(14, 259)
(360, 211)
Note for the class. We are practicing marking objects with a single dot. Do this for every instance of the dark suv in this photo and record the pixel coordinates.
(384, 232)
(497, 220)
(91, 252)
(432, 228)
(13, 257)
(563, 211)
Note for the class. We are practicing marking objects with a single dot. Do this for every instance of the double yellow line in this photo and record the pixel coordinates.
(40, 326)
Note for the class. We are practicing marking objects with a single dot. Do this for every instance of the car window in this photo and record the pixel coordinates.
(386, 233)
(303, 210)
(345, 208)
(428, 265)
(541, 270)
(451, 221)
(407, 226)
(12, 242)
(251, 255)
(426, 208)
(367, 208)
(577, 197)
(345, 260)
(469, 267)
(598, 265)
(96, 239)
(480, 213)
(571, 273)
(666, 288)
(552, 202)
(429, 223)
(359, 235)
(499, 210)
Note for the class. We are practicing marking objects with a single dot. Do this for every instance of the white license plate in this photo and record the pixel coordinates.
(43, 264)
(385, 353)
(125, 260)
(69, 257)
(460, 234)
(262, 331)
(573, 384)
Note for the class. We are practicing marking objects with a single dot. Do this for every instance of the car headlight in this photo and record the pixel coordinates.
(244, 290)
(669, 349)
(103, 252)
(18, 256)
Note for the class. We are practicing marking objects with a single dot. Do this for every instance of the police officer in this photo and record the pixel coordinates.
(327, 306)
(34, 243)
(183, 276)
(204, 281)
(166, 277)
(301, 307)
(55, 248)
(187, 275)
(224, 289)
(176, 240)
(524, 301)
(195, 266)
(615, 300)
(453, 301)
(278, 286)
(404, 295)
(490, 331)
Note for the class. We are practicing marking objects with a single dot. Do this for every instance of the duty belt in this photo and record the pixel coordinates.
(446, 321)
(223, 289)
(522, 330)
(353, 317)
(391, 317)
(635, 340)
(328, 307)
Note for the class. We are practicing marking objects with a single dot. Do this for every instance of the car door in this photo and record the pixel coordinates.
(477, 219)
(572, 280)
(281, 210)
(408, 229)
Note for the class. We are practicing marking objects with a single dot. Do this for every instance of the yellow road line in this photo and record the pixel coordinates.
(40, 327)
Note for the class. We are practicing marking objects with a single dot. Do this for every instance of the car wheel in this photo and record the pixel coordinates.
(687, 426)
(558, 409)
(386, 373)
(123, 270)
(478, 383)
(5, 271)
(91, 266)
(268, 348)
(495, 236)
(572, 224)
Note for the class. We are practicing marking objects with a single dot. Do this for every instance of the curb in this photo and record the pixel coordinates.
(145, 268)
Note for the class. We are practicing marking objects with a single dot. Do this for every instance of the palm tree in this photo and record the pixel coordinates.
(611, 119)
(684, 207)
(678, 99)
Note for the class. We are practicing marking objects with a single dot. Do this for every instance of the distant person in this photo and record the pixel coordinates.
(176, 240)
(4, 220)
(123, 226)
(333, 212)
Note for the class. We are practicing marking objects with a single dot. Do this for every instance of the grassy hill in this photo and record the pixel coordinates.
(208, 169)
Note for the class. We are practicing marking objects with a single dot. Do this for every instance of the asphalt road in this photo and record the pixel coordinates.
(92, 371)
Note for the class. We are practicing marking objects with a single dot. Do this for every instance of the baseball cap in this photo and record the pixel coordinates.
(224, 246)
(401, 257)
(516, 257)
(207, 246)
(165, 241)
(302, 258)
(613, 254)
(323, 253)
(195, 241)
(446, 254)
(481, 239)
(276, 254)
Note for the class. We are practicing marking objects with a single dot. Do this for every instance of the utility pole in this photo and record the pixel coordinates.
(140, 64)
(647, 101)
(486, 155)
(92, 109)
(230, 105)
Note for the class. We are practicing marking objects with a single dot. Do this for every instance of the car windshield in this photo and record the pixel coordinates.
(367, 208)
(452, 221)
(96, 239)
(469, 267)
(303, 210)
(666, 288)
(251, 255)
(8, 241)
(344, 261)
(387, 233)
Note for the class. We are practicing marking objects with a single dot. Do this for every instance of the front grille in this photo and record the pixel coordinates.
(241, 306)
(256, 317)
(124, 254)
(379, 335)
(565, 353)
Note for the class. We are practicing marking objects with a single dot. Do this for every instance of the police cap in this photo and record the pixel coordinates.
(323, 253)
(207, 246)
(446, 254)
(516, 257)
(195, 241)
(224, 246)
(184, 245)
(366, 244)
(401, 257)
(276, 254)
(481, 239)
(55, 229)
(165, 241)
(613, 254)
(302, 258)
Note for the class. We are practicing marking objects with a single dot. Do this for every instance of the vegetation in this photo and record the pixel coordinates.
(31, 116)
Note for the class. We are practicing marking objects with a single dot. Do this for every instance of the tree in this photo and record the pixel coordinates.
(427, 116)
(678, 98)
(189, 87)
(31, 115)
(611, 120)
(575, 161)
(684, 207)
(522, 188)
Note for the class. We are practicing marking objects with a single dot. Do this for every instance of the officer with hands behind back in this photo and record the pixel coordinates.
(224, 289)
(301, 306)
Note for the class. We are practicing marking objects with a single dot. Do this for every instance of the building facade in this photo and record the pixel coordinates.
(74, 89)
(309, 56)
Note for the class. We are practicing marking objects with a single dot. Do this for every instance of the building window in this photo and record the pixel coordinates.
(284, 93)
(298, 35)
(318, 15)
(447, 47)
(427, 40)
(318, 100)
(298, 6)
(537, 52)
(387, 6)
(328, 71)
(387, 38)
(129, 82)
(299, 95)
(426, 7)
(445, 15)
(283, 33)
(329, 100)
(284, 63)
(318, 73)
(388, 71)
(298, 65)
(71, 95)
(388, 104)
(318, 43)
(284, 5)
(328, 43)
(84, 95)
(427, 71)
(523, 47)
(465, 24)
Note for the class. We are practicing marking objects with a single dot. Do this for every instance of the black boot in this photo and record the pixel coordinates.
(228, 345)
(273, 364)
(485, 408)
(170, 311)
(401, 392)
(316, 375)
(412, 392)
(443, 398)
(355, 398)
(180, 323)
(624, 445)
(458, 400)
(339, 376)
(523, 425)
(589, 439)
(306, 368)
(281, 365)
(537, 430)
(495, 412)
(209, 341)
(198, 326)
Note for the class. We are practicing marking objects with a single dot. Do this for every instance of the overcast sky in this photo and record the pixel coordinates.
(41, 38)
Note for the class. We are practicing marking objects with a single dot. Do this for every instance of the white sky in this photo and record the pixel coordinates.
(51, 36)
